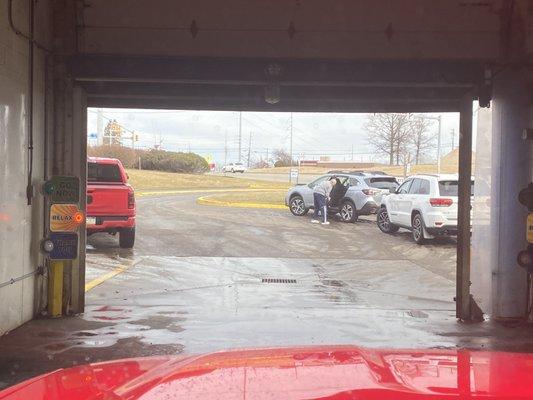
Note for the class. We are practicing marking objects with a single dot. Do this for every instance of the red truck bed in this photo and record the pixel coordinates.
(110, 200)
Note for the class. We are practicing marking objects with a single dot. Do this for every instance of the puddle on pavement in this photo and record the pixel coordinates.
(82, 334)
(50, 334)
(161, 322)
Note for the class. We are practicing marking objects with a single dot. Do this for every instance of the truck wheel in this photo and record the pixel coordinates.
(126, 238)
(384, 223)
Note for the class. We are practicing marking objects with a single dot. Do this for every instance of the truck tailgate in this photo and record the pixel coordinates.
(107, 199)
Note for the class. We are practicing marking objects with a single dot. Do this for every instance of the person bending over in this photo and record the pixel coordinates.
(321, 194)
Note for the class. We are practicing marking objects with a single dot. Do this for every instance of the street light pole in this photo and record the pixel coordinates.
(240, 135)
(291, 140)
(438, 145)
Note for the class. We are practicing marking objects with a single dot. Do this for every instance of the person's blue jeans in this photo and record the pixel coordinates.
(321, 206)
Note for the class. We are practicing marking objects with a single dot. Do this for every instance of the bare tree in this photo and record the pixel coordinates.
(389, 134)
(283, 158)
(421, 140)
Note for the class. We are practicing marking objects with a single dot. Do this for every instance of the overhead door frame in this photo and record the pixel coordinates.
(305, 85)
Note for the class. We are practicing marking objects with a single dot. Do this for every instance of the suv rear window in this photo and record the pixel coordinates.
(103, 172)
(451, 188)
(382, 183)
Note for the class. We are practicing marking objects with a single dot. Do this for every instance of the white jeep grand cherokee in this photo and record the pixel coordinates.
(424, 204)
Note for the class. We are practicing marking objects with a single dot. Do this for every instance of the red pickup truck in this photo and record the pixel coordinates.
(110, 200)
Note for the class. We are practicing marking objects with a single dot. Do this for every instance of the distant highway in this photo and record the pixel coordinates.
(303, 178)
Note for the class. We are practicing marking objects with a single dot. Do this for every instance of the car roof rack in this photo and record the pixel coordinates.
(363, 172)
(338, 171)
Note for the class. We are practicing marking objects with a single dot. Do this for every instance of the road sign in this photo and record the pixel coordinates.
(529, 228)
(65, 246)
(63, 189)
(294, 173)
(65, 217)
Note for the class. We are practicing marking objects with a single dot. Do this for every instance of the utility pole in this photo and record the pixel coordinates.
(291, 140)
(240, 135)
(249, 150)
(158, 144)
(267, 156)
(453, 139)
(226, 148)
(438, 144)
(99, 127)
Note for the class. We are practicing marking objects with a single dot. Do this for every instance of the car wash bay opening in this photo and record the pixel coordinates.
(231, 84)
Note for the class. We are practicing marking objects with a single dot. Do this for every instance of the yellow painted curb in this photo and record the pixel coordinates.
(207, 201)
(162, 192)
(101, 279)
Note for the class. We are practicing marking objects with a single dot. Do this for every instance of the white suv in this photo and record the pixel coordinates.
(234, 167)
(424, 204)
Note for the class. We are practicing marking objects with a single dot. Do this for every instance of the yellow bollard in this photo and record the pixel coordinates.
(55, 289)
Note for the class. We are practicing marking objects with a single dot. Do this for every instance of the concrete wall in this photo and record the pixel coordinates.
(21, 225)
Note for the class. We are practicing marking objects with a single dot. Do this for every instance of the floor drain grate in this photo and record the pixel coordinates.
(277, 280)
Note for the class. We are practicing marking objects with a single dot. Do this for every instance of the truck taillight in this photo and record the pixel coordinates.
(369, 192)
(440, 202)
(131, 199)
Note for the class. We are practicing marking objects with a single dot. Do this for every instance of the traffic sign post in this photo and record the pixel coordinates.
(61, 244)
(294, 175)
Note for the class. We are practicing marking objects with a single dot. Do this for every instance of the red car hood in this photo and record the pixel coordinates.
(340, 372)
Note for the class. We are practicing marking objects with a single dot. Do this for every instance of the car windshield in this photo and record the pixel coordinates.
(103, 172)
(451, 188)
(382, 182)
(238, 163)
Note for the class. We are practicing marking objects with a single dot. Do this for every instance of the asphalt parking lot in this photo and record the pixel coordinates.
(204, 278)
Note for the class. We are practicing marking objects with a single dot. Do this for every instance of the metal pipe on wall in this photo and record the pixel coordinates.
(29, 187)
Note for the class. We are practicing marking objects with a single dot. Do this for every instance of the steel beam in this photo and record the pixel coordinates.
(462, 299)
(239, 71)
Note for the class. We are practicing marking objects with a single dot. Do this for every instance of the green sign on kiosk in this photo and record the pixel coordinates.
(63, 189)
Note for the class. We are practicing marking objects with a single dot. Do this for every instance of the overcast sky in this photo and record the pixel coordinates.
(205, 132)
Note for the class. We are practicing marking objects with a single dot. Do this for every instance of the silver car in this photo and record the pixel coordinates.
(355, 194)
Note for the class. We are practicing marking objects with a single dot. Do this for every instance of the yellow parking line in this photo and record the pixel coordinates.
(206, 200)
(102, 278)
(155, 193)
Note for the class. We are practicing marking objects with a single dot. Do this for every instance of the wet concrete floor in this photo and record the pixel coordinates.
(204, 278)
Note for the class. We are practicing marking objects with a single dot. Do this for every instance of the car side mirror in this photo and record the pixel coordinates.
(392, 190)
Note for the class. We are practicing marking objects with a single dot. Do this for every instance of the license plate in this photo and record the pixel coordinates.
(91, 221)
